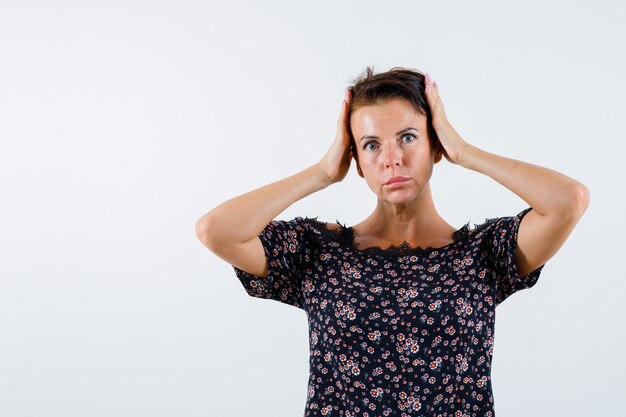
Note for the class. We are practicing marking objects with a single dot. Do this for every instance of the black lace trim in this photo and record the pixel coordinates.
(345, 236)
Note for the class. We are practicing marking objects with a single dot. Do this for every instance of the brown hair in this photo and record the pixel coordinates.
(398, 82)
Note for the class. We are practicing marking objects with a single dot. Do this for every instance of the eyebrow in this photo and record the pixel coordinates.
(406, 129)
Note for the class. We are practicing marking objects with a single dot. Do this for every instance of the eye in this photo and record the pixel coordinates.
(409, 135)
(413, 137)
(367, 144)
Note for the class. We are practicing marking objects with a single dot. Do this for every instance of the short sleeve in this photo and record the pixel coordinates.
(283, 243)
(504, 243)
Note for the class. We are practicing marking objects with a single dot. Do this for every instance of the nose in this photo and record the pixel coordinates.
(392, 155)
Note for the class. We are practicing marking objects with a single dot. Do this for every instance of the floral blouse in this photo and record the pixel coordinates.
(399, 331)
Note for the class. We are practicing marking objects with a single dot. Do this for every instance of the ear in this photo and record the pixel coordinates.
(438, 153)
(358, 166)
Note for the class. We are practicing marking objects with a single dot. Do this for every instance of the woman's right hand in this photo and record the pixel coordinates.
(336, 162)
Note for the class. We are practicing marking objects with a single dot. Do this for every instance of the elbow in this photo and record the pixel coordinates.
(203, 228)
(577, 203)
(581, 198)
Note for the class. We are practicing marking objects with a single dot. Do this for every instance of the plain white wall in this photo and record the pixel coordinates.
(123, 122)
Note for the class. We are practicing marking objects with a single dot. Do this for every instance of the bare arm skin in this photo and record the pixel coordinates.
(242, 218)
(231, 229)
(558, 201)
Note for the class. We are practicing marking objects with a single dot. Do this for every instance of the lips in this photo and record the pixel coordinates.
(396, 179)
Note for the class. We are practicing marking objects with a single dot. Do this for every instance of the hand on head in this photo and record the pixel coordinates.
(336, 161)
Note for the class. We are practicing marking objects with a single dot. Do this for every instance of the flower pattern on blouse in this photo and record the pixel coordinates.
(400, 331)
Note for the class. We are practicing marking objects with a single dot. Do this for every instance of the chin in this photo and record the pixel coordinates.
(398, 196)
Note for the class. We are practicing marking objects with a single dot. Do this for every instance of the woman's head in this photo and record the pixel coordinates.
(391, 132)
(404, 83)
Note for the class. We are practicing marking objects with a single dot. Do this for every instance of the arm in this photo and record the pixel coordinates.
(242, 218)
(548, 192)
(558, 202)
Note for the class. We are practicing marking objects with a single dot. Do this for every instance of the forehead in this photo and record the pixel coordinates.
(389, 115)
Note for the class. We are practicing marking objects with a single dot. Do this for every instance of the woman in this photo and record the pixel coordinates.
(401, 307)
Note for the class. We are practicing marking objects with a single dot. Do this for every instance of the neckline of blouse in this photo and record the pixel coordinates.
(345, 235)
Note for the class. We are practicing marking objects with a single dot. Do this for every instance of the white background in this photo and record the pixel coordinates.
(123, 122)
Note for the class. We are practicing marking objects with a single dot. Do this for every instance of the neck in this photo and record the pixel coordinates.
(414, 220)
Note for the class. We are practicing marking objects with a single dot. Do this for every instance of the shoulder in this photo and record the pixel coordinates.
(294, 228)
(319, 226)
(477, 234)
(496, 230)
(302, 226)
(324, 233)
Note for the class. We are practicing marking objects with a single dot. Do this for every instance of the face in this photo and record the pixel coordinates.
(392, 141)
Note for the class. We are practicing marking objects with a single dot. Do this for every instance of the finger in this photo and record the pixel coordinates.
(430, 81)
(344, 106)
(432, 92)
(430, 95)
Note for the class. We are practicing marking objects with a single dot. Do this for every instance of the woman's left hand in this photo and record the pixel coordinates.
(451, 142)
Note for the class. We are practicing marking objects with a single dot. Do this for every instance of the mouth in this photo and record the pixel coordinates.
(396, 180)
